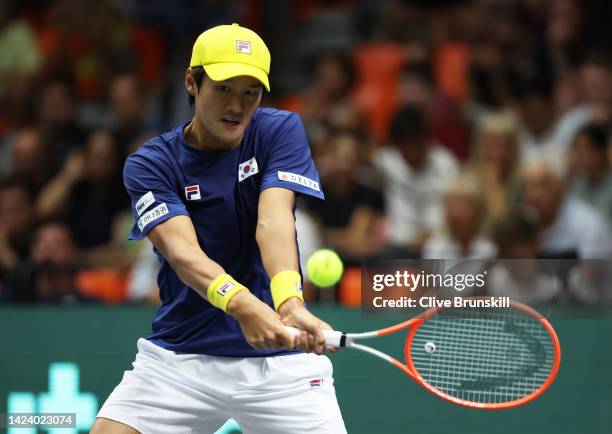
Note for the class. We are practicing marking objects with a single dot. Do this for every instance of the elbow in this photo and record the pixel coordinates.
(186, 266)
(272, 227)
(259, 233)
(179, 259)
(263, 226)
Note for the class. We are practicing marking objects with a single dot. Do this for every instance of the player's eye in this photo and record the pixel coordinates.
(251, 92)
(223, 88)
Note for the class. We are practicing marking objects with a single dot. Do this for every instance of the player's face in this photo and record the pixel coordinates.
(225, 108)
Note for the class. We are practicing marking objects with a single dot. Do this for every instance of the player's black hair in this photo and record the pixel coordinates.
(409, 123)
(198, 75)
(596, 134)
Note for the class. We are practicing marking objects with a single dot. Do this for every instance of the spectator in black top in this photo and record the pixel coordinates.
(57, 115)
(349, 214)
(50, 274)
(16, 218)
(30, 159)
(130, 121)
(88, 192)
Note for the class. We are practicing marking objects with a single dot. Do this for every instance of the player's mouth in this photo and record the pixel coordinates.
(229, 123)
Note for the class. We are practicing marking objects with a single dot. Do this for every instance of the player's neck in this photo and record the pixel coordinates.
(198, 137)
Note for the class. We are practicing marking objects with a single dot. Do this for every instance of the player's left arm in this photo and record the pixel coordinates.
(277, 243)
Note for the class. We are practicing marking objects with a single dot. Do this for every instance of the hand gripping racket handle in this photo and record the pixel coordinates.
(332, 337)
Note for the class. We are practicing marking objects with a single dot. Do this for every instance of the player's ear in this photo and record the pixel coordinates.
(190, 83)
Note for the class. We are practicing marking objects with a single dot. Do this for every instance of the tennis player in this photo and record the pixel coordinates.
(216, 197)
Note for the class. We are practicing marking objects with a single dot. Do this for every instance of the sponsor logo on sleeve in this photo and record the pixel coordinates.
(144, 202)
(152, 215)
(246, 169)
(222, 290)
(192, 192)
(299, 179)
(243, 47)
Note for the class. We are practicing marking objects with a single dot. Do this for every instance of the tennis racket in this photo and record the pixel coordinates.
(485, 358)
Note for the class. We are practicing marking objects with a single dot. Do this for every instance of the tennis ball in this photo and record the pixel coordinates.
(324, 268)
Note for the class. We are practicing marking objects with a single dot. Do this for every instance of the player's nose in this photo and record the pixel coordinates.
(233, 106)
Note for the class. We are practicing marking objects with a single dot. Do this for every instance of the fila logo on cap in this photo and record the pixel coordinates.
(192, 192)
(243, 47)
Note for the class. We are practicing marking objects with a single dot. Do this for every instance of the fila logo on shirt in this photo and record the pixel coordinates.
(243, 47)
(246, 169)
(192, 192)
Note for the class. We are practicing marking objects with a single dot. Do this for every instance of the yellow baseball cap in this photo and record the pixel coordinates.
(231, 50)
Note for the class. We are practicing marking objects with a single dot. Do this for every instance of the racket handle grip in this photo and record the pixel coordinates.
(332, 337)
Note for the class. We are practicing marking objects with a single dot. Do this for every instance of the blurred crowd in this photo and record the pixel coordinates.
(441, 129)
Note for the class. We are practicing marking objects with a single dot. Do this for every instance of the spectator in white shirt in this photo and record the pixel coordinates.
(416, 171)
(537, 122)
(595, 95)
(465, 212)
(565, 223)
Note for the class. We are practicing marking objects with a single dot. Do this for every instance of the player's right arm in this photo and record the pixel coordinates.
(176, 240)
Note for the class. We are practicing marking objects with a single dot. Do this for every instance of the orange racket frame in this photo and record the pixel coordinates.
(340, 339)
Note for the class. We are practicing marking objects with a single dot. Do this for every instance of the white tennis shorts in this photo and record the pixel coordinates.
(174, 393)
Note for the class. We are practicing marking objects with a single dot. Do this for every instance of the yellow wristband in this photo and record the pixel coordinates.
(222, 289)
(285, 285)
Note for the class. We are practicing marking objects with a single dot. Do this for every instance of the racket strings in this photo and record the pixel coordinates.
(483, 355)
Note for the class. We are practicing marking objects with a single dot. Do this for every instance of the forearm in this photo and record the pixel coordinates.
(198, 271)
(276, 240)
(194, 268)
(278, 247)
(177, 242)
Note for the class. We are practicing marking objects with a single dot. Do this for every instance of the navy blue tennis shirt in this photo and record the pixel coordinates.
(219, 191)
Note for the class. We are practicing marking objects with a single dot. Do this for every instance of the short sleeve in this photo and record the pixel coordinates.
(289, 162)
(153, 197)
